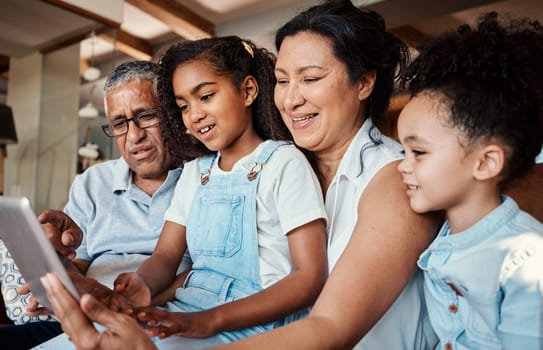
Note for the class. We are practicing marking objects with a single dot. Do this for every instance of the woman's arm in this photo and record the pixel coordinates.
(378, 262)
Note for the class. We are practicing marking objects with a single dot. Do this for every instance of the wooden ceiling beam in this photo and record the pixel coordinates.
(129, 44)
(85, 13)
(410, 35)
(124, 42)
(67, 40)
(179, 18)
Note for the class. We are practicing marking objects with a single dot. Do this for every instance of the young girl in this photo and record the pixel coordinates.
(473, 124)
(249, 210)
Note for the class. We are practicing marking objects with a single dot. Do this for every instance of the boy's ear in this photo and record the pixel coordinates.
(249, 89)
(490, 163)
(366, 83)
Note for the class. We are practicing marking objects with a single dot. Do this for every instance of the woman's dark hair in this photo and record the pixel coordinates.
(492, 77)
(360, 40)
(230, 56)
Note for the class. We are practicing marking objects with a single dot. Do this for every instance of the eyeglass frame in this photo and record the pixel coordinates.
(108, 128)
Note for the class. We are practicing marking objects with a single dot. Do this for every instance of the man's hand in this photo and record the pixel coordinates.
(62, 232)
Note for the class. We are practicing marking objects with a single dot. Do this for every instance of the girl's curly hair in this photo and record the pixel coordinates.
(227, 56)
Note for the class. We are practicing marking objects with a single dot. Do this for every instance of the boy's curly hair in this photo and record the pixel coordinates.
(492, 77)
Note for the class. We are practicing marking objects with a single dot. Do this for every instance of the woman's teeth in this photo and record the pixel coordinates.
(307, 117)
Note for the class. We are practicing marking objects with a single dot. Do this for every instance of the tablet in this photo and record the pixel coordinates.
(29, 246)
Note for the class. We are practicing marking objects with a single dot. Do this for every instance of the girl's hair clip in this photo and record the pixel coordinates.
(248, 48)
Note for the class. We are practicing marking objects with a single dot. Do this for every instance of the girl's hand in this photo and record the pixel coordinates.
(131, 289)
(163, 323)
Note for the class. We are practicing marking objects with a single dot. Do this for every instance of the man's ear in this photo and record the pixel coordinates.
(490, 162)
(365, 85)
(249, 89)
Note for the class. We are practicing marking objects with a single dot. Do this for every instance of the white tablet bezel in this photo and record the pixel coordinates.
(29, 247)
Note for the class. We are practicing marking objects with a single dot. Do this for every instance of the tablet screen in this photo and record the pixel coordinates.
(29, 246)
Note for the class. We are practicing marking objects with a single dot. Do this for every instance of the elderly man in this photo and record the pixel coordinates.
(118, 204)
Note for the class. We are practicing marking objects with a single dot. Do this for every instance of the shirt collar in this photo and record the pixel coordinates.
(487, 226)
(122, 176)
(350, 165)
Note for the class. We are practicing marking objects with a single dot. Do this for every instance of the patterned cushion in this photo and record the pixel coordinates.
(11, 279)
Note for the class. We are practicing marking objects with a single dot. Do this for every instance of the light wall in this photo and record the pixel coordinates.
(24, 97)
(59, 126)
(44, 96)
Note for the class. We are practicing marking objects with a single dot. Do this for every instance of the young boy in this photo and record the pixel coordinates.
(473, 124)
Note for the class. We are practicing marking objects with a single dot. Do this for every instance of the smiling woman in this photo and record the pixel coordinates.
(331, 101)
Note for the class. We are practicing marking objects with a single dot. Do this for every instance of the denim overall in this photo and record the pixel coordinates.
(222, 241)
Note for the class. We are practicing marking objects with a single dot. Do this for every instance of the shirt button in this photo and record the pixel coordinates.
(453, 308)
(448, 346)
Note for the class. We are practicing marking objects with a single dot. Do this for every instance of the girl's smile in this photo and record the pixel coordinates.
(214, 110)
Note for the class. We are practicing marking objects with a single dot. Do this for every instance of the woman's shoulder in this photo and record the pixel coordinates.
(372, 148)
(387, 149)
(370, 138)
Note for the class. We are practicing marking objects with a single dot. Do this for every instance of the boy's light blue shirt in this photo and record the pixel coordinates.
(121, 218)
(484, 286)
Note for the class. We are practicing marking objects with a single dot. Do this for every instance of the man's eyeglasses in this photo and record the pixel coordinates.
(145, 119)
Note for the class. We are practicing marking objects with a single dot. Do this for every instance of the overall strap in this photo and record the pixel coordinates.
(264, 155)
(204, 164)
(268, 150)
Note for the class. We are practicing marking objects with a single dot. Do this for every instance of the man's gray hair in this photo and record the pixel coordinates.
(128, 71)
(132, 70)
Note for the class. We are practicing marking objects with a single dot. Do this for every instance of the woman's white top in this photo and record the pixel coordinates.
(405, 325)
